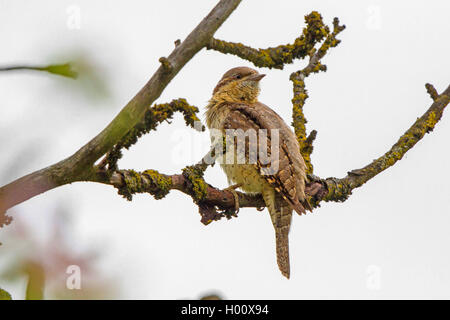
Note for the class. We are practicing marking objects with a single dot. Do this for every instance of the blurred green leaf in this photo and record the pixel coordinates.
(92, 80)
(4, 295)
(64, 70)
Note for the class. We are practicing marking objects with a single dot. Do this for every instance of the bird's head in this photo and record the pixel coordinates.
(239, 84)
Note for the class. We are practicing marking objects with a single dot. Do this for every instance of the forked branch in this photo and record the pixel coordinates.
(80, 166)
(215, 204)
(137, 118)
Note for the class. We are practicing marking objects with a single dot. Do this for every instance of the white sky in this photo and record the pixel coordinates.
(394, 229)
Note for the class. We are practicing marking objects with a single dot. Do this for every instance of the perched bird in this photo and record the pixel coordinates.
(235, 105)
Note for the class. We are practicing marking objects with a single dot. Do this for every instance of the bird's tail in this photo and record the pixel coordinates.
(282, 244)
(280, 214)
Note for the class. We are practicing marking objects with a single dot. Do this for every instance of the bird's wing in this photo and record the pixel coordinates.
(289, 179)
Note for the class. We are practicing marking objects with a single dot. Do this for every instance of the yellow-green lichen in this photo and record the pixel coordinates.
(132, 184)
(299, 120)
(150, 181)
(431, 121)
(314, 33)
(152, 118)
(338, 190)
(276, 57)
(198, 185)
(161, 183)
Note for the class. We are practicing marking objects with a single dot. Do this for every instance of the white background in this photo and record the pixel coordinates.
(389, 240)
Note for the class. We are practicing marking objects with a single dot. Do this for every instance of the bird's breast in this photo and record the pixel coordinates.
(246, 175)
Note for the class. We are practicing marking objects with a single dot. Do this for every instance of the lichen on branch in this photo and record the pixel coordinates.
(300, 94)
(152, 118)
(276, 57)
(316, 32)
(341, 189)
(149, 181)
(80, 166)
(137, 118)
(215, 204)
(194, 174)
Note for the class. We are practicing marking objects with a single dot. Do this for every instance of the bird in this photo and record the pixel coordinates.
(234, 105)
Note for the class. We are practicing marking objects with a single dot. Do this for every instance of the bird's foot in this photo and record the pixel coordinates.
(232, 189)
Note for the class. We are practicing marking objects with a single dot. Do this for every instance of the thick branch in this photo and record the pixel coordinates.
(79, 166)
(223, 199)
(213, 203)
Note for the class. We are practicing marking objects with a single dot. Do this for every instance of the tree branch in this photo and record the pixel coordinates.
(300, 93)
(277, 57)
(136, 118)
(79, 166)
(341, 189)
(152, 118)
(213, 203)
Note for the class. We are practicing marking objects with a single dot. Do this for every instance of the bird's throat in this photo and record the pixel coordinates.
(219, 104)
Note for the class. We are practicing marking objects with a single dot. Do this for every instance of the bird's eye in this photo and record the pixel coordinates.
(238, 76)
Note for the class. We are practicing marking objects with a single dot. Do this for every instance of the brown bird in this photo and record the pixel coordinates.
(235, 105)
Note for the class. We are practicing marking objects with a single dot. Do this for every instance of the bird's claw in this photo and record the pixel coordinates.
(232, 189)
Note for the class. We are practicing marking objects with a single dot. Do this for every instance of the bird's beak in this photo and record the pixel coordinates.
(256, 77)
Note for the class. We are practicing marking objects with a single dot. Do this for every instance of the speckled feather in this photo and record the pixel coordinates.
(289, 181)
